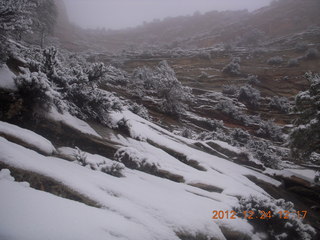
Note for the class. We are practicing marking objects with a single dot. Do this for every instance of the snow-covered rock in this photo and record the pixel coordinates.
(6, 79)
(26, 138)
(147, 207)
(71, 121)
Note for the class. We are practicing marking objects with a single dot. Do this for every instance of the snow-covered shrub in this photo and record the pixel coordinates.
(90, 102)
(269, 130)
(275, 60)
(230, 90)
(96, 71)
(50, 61)
(218, 134)
(239, 137)
(115, 76)
(265, 153)
(315, 158)
(215, 124)
(233, 68)
(281, 104)
(162, 83)
(278, 226)
(253, 79)
(305, 137)
(170, 90)
(229, 108)
(15, 17)
(249, 95)
(80, 156)
(133, 159)
(143, 77)
(97, 163)
(115, 169)
(293, 62)
(312, 53)
(66, 80)
(301, 46)
(187, 133)
(36, 91)
(140, 110)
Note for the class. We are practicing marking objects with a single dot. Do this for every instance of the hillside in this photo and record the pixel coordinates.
(240, 28)
(199, 127)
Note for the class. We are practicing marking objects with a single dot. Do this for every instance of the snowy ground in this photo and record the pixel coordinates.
(135, 206)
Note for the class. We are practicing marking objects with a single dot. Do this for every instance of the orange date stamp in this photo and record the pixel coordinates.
(263, 215)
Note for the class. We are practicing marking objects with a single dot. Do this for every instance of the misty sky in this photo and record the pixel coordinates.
(116, 14)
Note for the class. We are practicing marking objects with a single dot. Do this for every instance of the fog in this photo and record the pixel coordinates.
(118, 14)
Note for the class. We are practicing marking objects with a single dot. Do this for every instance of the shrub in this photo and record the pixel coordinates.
(230, 90)
(92, 103)
(140, 110)
(228, 107)
(275, 60)
(301, 46)
(266, 154)
(96, 72)
(268, 130)
(249, 95)
(215, 124)
(240, 137)
(115, 169)
(133, 159)
(81, 157)
(187, 133)
(253, 79)
(49, 61)
(275, 227)
(115, 76)
(315, 158)
(162, 83)
(36, 91)
(311, 53)
(98, 164)
(281, 104)
(293, 62)
(218, 134)
(305, 137)
(233, 68)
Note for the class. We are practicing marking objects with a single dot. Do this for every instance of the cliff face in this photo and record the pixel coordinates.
(62, 12)
(63, 25)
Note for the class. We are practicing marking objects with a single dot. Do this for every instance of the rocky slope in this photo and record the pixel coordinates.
(149, 144)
